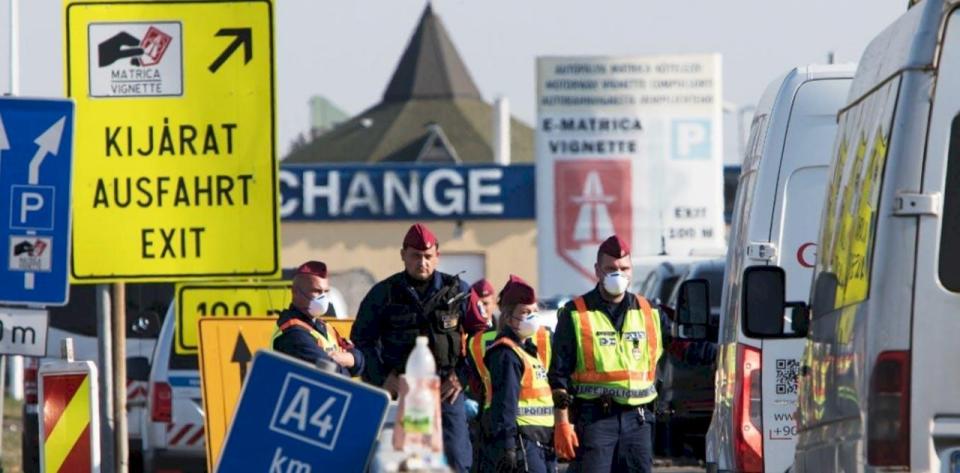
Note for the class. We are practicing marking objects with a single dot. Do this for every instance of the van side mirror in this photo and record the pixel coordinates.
(693, 309)
(765, 309)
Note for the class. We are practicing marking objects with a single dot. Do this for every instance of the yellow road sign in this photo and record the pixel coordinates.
(226, 350)
(176, 169)
(237, 301)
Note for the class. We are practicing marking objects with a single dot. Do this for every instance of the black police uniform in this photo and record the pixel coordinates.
(598, 422)
(391, 316)
(298, 343)
(506, 376)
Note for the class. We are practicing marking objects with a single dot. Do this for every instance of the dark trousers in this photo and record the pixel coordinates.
(456, 436)
(615, 441)
(539, 459)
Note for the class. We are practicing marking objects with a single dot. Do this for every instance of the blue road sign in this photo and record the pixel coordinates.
(36, 154)
(294, 417)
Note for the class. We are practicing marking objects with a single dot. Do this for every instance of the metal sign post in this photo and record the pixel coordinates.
(121, 458)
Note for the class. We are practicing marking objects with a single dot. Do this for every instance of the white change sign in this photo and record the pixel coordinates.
(626, 145)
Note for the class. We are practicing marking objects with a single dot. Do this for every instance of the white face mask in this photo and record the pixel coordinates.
(318, 305)
(615, 283)
(527, 327)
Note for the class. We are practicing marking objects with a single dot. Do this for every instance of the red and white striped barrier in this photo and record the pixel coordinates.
(184, 435)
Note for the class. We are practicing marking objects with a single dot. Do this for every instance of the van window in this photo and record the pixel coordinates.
(850, 213)
(950, 235)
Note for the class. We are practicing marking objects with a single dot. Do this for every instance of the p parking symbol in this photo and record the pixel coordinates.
(690, 139)
(31, 207)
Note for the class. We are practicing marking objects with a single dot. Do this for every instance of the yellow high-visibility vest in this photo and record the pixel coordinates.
(478, 345)
(329, 343)
(535, 406)
(621, 365)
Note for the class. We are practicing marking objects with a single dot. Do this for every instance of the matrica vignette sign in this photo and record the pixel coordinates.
(177, 170)
(628, 145)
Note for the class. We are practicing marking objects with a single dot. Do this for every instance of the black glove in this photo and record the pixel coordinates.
(561, 399)
(508, 461)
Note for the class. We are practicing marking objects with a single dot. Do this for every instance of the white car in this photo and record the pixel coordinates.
(173, 426)
(779, 199)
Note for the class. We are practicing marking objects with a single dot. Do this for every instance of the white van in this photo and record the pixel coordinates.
(778, 204)
(880, 383)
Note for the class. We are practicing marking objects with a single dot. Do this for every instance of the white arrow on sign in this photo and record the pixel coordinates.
(4, 142)
(47, 143)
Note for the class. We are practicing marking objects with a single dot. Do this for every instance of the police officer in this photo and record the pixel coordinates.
(481, 334)
(520, 414)
(300, 331)
(480, 311)
(419, 301)
(479, 342)
(603, 370)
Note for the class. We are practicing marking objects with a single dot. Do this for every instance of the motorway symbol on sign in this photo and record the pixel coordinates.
(222, 345)
(295, 417)
(23, 332)
(35, 193)
(176, 148)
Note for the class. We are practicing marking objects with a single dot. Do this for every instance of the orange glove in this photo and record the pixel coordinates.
(565, 441)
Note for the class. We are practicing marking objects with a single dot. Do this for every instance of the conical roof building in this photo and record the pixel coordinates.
(431, 111)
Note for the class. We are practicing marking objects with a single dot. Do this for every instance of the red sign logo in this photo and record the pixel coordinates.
(807, 255)
(592, 202)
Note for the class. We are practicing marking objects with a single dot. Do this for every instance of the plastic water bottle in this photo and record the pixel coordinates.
(420, 406)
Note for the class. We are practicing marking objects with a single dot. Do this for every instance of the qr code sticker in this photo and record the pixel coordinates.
(787, 373)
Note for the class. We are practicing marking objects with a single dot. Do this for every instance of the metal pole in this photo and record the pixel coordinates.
(14, 90)
(14, 47)
(3, 401)
(105, 365)
(120, 376)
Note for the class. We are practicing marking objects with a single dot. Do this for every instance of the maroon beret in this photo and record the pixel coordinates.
(419, 237)
(315, 268)
(615, 247)
(517, 291)
(482, 288)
